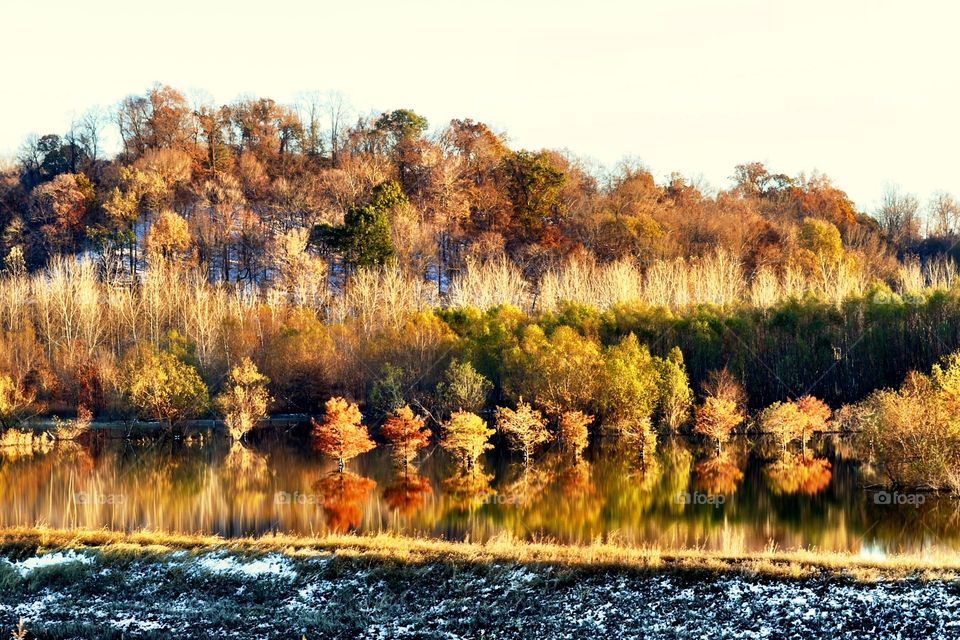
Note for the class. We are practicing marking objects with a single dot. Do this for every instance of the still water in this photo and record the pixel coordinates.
(681, 495)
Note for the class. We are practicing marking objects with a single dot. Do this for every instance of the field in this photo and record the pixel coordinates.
(106, 585)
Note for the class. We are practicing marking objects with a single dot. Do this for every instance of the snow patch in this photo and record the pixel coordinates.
(24, 567)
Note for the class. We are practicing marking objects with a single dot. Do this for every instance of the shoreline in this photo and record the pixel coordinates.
(409, 550)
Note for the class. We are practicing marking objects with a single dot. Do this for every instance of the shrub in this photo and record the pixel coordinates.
(244, 399)
(15, 402)
(341, 434)
(524, 428)
(913, 433)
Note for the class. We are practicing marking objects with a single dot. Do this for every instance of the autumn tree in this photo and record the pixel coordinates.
(406, 434)
(817, 415)
(169, 237)
(162, 387)
(15, 401)
(341, 434)
(722, 410)
(524, 428)
(244, 399)
(716, 418)
(629, 386)
(676, 397)
(466, 436)
(784, 422)
(572, 431)
(462, 387)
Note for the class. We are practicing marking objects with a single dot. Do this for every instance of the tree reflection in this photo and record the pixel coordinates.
(408, 492)
(342, 497)
(524, 484)
(467, 489)
(718, 475)
(798, 474)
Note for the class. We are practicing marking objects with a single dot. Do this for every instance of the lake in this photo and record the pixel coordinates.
(681, 495)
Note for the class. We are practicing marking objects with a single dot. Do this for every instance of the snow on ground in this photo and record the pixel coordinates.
(273, 564)
(223, 595)
(24, 567)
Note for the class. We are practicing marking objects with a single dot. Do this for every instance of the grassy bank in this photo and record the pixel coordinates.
(401, 550)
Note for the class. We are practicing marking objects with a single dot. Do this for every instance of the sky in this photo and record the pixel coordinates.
(863, 91)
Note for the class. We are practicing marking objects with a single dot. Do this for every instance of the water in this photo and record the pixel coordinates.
(680, 496)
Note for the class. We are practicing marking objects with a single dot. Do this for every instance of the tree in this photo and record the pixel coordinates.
(817, 415)
(244, 399)
(716, 418)
(572, 431)
(898, 215)
(676, 397)
(629, 386)
(388, 392)
(162, 387)
(784, 422)
(341, 434)
(558, 371)
(524, 428)
(406, 433)
(15, 402)
(168, 238)
(462, 387)
(364, 237)
(722, 410)
(533, 185)
(466, 436)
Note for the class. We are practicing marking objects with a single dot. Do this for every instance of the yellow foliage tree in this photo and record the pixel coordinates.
(244, 399)
(466, 435)
(524, 428)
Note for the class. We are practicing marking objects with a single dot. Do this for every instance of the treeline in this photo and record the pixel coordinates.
(256, 192)
(68, 339)
(361, 257)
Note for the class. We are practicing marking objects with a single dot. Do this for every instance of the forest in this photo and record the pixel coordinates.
(258, 258)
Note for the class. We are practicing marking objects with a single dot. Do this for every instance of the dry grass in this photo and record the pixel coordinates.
(795, 564)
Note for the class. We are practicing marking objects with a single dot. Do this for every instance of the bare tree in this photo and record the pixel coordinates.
(338, 112)
(899, 215)
(943, 214)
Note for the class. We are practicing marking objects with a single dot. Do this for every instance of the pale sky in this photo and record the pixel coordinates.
(864, 91)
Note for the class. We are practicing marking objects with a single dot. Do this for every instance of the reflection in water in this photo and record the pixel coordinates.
(468, 489)
(343, 495)
(612, 493)
(719, 474)
(408, 492)
(799, 474)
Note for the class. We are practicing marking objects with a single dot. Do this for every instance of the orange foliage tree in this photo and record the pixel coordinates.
(341, 434)
(406, 434)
